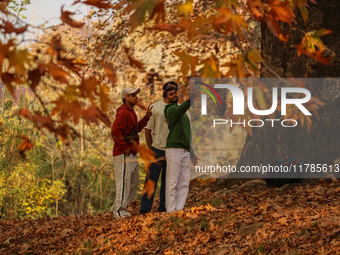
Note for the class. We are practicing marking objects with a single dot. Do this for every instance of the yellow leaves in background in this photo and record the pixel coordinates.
(185, 9)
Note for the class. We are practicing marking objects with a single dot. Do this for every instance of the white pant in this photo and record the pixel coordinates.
(177, 178)
(127, 180)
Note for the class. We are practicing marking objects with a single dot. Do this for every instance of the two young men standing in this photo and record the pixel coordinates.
(171, 140)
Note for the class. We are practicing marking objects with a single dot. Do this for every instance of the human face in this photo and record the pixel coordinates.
(132, 98)
(172, 96)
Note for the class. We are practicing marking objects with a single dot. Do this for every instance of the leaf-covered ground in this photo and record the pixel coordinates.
(299, 219)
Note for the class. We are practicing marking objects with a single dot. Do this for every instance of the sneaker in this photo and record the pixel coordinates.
(142, 212)
(125, 213)
(121, 214)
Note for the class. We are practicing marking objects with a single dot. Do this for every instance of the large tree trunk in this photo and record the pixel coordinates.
(322, 145)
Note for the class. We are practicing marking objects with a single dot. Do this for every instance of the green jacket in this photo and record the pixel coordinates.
(179, 126)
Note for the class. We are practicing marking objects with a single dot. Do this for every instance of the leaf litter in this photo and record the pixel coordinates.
(301, 219)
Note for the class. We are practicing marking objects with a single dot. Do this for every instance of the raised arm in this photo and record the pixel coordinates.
(173, 112)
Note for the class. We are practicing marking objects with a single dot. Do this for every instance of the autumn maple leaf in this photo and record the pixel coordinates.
(8, 28)
(103, 4)
(25, 145)
(149, 188)
(134, 62)
(174, 30)
(187, 60)
(110, 72)
(65, 17)
(229, 22)
(8, 79)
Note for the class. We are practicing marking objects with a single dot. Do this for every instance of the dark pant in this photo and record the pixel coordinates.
(155, 169)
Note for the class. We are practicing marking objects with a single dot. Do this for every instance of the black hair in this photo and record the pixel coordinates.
(124, 102)
(170, 83)
(165, 93)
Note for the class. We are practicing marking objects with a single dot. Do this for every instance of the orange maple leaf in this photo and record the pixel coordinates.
(134, 62)
(34, 76)
(67, 110)
(229, 22)
(65, 17)
(149, 188)
(8, 79)
(4, 51)
(281, 11)
(174, 30)
(146, 154)
(25, 145)
(110, 72)
(93, 114)
(58, 73)
(191, 26)
(8, 28)
(55, 46)
(102, 4)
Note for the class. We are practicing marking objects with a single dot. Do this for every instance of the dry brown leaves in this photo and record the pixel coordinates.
(303, 219)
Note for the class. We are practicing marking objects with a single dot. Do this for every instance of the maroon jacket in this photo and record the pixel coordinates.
(124, 124)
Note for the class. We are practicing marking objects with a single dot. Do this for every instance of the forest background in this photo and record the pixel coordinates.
(61, 89)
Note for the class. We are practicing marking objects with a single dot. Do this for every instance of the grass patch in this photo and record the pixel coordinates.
(205, 224)
(216, 202)
(176, 223)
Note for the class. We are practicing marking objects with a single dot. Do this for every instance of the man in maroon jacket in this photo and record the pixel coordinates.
(124, 132)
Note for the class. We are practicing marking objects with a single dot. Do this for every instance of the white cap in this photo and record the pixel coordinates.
(128, 91)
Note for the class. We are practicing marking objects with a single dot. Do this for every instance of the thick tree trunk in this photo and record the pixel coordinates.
(322, 145)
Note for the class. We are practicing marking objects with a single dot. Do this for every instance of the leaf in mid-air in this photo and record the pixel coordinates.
(67, 110)
(187, 60)
(103, 4)
(8, 79)
(110, 72)
(93, 114)
(25, 145)
(34, 76)
(281, 10)
(65, 17)
(134, 62)
(174, 30)
(58, 73)
(18, 59)
(149, 188)
(8, 28)
(55, 46)
(210, 68)
(229, 22)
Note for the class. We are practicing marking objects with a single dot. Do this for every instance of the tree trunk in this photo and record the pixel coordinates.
(322, 145)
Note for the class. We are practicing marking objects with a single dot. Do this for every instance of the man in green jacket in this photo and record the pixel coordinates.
(177, 152)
